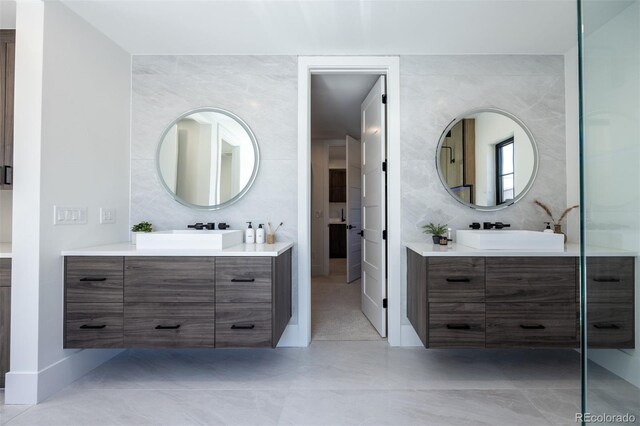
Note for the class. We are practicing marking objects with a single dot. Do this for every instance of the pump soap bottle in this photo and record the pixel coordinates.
(250, 235)
(260, 234)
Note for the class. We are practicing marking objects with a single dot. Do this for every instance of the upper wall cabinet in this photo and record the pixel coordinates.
(7, 73)
(337, 186)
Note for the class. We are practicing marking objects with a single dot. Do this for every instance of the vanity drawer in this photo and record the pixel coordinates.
(243, 279)
(90, 279)
(169, 279)
(93, 325)
(531, 279)
(610, 279)
(455, 279)
(531, 325)
(165, 325)
(610, 325)
(243, 325)
(5, 272)
(456, 325)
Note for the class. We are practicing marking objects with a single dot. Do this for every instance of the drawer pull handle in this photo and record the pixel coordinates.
(458, 326)
(93, 327)
(93, 279)
(243, 327)
(458, 280)
(606, 326)
(607, 280)
(532, 326)
(242, 280)
(167, 327)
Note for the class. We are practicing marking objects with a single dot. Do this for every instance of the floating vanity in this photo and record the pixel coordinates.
(464, 297)
(118, 296)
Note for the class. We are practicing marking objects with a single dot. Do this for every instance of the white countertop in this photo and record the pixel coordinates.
(5, 251)
(127, 249)
(570, 250)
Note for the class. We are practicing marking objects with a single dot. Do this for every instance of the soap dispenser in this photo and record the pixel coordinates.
(250, 235)
(260, 234)
(548, 228)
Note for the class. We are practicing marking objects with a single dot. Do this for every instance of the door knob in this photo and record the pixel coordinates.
(361, 233)
(350, 227)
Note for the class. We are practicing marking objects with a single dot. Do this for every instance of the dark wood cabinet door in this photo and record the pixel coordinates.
(456, 325)
(5, 272)
(531, 279)
(610, 279)
(169, 279)
(93, 279)
(610, 325)
(93, 325)
(337, 241)
(169, 325)
(5, 331)
(243, 279)
(456, 279)
(531, 325)
(242, 325)
(337, 186)
(7, 78)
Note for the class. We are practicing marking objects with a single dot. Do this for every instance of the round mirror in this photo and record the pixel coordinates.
(487, 159)
(207, 158)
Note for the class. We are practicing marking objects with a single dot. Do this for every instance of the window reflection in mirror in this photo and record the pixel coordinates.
(207, 158)
(487, 159)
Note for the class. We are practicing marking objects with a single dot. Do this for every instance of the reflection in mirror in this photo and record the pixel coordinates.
(487, 159)
(207, 158)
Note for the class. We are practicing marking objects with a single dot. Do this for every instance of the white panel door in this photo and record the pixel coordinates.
(374, 285)
(354, 194)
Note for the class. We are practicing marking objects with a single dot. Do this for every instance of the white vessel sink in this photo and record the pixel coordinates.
(510, 240)
(189, 239)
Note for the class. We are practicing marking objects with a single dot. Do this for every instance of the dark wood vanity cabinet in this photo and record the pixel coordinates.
(194, 302)
(503, 302)
(7, 77)
(610, 302)
(5, 317)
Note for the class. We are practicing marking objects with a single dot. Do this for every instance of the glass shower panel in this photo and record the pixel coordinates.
(610, 199)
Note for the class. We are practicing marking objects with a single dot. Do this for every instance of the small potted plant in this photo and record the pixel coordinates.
(139, 228)
(436, 231)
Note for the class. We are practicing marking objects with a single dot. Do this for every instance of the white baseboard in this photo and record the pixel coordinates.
(291, 338)
(409, 337)
(32, 387)
(618, 362)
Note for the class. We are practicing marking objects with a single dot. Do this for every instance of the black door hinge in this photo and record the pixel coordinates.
(384, 303)
(384, 99)
(384, 166)
(384, 234)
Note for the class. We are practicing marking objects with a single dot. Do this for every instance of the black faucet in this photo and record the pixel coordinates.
(497, 225)
(200, 226)
(474, 225)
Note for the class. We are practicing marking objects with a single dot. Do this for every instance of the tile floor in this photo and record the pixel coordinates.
(330, 383)
(335, 307)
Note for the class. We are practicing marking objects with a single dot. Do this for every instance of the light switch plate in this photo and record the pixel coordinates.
(107, 215)
(69, 215)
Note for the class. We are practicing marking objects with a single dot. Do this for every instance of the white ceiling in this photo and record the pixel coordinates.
(334, 27)
(335, 104)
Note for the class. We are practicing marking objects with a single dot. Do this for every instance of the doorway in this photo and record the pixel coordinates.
(348, 206)
(389, 67)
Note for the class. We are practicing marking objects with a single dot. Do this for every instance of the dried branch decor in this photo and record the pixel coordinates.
(548, 211)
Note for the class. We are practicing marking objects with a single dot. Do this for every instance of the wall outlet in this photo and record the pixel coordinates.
(107, 215)
(69, 215)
